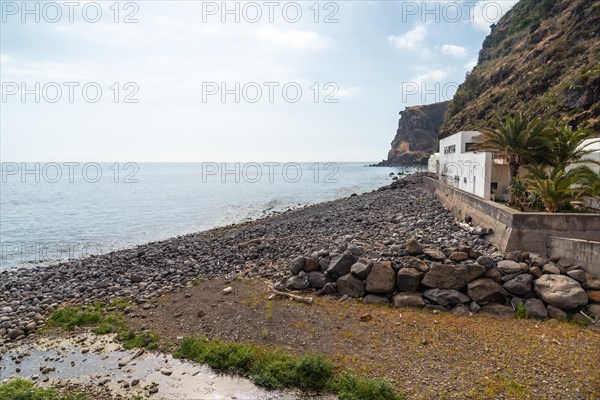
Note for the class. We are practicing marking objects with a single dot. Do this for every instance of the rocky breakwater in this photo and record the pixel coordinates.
(458, 279)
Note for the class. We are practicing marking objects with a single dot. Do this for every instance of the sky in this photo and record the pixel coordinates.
(198, 81)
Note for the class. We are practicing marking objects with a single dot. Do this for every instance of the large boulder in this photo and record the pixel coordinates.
(485, 290)
(509, 267)
(413, 247)
(317, 280)
(486, 261)
(351, 286)
(519, 285)
(474, 271)
(296, 282)
(382, 278)
(560, 291)
(536, 309)
(446, 276)
(408, 280)
(297, 265)
(375, 299)
(414, 262)
(340, 265)
(361, 268)
(434, 254)
(458, 256)
(445, 297)
(409, 300)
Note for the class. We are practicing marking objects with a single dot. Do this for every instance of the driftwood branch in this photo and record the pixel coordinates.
(306, 300)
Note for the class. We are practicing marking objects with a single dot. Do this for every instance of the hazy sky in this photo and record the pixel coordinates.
(184, 81)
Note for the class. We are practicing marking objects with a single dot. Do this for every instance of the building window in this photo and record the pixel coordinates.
(468, 147)
(494, 186)
(450, 149)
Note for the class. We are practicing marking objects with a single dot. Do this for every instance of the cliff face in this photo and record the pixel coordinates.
(542, 58)
(418, 130)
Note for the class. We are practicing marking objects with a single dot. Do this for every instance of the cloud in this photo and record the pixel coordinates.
(484, 14)
(410, 39)
(454, 51)
(295, 39)
(471, 64)
(435, 75)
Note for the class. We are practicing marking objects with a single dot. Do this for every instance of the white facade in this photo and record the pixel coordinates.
(433, 164)
(591, 144)
(476, 173)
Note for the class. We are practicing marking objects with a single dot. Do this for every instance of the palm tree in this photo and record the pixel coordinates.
(557, 188)
(567, 145)
(520, 140)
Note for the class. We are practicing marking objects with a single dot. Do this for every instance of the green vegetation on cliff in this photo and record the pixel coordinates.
(540, 59)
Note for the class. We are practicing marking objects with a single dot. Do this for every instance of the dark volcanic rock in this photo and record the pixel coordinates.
(340, 265)
(484, 291)
(446, 276)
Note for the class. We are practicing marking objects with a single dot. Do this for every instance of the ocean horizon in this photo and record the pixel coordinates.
(58, 211)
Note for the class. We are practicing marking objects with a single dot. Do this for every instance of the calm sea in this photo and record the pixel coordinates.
(51, 211)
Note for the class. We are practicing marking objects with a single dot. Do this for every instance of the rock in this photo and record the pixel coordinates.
(311, 265)
(474, 307)
(296, 282)
(494, 274)
(536, 272)
(593, 309)
(317, 280)
(461, 310)
(408, 300)
(136, 278)
(560, 291)
(498, 310)
(341, 265)
(366, 317)
(459, 256)
(361, 268)
(297, 265)
(413, 247)
(538, 261)
(228, 290)
(445, 297)
(375, 299)
(577, 274)
(487, 262)
(408, 280)
(509, 267)
(351, 286)
(591, 283)
(382, 278)
(593, 296)
(434, 254)
(515, 302)
(536, 309)
(446, 276)
(556, 313)
(166, 371)
(474, 271)
(329, 289)
(551, 269)
(413, 262)
(485, 290)
(520, 285)
(14, 333)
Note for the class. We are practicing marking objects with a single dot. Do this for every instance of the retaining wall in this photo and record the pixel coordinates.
(541, 233)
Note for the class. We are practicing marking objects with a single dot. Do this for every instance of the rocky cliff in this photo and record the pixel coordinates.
(542, 58)
(418, 130)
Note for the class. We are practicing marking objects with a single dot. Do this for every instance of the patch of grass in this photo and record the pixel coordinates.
(350, 387)
(20, 389)
(197, 281)
(70, 318)
(104, 322)
(522, 312)
(275, 369)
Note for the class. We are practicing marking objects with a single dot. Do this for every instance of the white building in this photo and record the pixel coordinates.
(478, 173)
(433, 164)
(482, 173)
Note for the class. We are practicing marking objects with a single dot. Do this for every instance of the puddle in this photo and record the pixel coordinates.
(91, 359)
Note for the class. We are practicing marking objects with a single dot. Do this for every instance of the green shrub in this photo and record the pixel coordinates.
(20, 389)
(70, 318)
(350, 387)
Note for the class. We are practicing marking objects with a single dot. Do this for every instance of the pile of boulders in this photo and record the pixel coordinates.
(457, 279)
